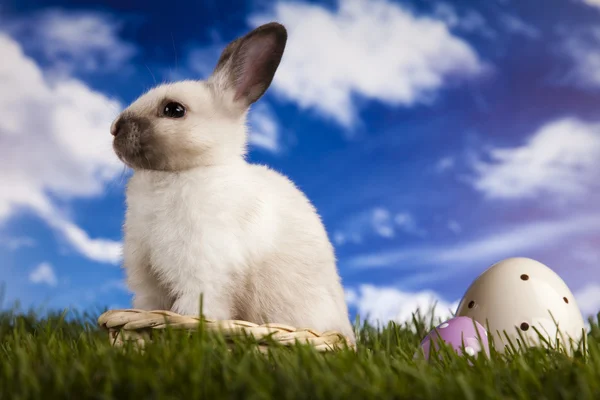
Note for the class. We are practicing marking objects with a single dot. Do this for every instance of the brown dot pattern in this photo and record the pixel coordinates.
(525, 277)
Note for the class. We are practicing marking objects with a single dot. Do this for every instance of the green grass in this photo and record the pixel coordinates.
(52, 357)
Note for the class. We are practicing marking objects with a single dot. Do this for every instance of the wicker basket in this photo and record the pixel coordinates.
(138, 326)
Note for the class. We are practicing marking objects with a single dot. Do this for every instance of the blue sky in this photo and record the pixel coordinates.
(435, 138)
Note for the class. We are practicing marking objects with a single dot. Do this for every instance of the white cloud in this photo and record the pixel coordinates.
(562, 158)
(517, 26)
(264, 129)
(83, 41)
(14, 243)
(469, 21)
(341, 238)
(407, 223)
(379, 222)
(588, 300)
(454, 227)
(383, 304)
(43, 274)
(445, 164)
(483, 250)
(54, 141)
(101, 250)
(382, 223)
(582, 47)
(593, 3)
(373, 48)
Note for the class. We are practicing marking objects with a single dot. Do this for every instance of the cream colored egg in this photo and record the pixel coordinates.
(519, 295)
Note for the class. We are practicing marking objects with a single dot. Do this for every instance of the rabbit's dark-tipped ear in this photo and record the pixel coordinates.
(248, 64)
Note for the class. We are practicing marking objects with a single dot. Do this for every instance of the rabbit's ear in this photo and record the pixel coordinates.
(248, 64)
(225, 57)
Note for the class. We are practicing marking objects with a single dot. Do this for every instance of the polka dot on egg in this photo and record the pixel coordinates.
(470, 351)
(473, 343)
(444, 325)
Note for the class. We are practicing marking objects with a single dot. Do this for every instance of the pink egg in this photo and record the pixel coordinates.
(455, 332)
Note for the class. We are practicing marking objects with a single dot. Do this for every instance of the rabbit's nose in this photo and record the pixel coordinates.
(117, 127)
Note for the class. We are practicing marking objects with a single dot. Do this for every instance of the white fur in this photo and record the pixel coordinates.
(241, 235)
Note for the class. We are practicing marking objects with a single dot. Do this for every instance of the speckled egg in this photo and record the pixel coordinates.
(519, 296)
(463, 334)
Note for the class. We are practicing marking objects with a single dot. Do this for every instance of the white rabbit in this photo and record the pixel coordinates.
(202, 220)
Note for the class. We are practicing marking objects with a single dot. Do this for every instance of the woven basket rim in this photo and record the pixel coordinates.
(133, 321)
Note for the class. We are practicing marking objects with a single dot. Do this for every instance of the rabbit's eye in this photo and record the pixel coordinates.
(174, 110)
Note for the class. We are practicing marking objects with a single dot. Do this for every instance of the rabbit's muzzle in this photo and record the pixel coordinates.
(136, 144)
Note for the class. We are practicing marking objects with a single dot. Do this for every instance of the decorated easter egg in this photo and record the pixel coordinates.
(522, 301)
(463, 334)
